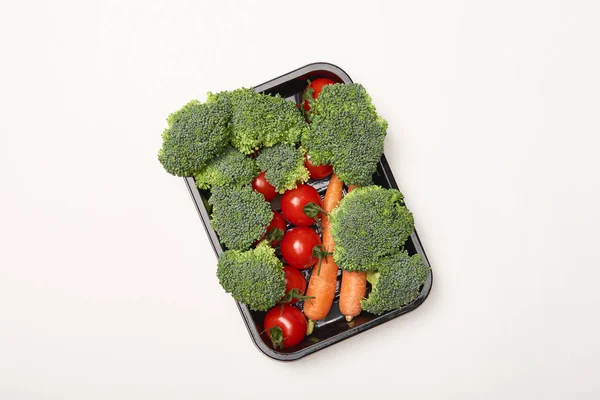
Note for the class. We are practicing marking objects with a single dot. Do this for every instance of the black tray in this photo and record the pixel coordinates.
(334, 327)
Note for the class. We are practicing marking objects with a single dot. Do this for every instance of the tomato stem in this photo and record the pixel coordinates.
(321, 253)
(308, 96)
(313, 210)
(276, 335)
(294, 294)
(274, 235)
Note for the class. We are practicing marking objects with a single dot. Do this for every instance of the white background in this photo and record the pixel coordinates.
(107, 279)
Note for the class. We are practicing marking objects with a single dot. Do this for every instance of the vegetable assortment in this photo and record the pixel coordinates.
(259, 154)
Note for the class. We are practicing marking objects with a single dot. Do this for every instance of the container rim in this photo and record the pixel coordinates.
(322, 66)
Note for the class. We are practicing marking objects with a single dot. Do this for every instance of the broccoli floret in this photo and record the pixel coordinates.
(196, 133)
(283, 165)
(263, 120)
(346, 132)
(240, 215)
(229, 168)
(370, 224)
(254, 277)
(396, 283)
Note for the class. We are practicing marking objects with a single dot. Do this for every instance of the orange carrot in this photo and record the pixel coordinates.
(322, 282)
(354, 286)
(353, 289)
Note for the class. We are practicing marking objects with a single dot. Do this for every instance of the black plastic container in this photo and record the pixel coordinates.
(334, 327)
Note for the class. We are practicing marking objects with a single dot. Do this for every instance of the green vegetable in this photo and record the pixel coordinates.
(196, 134)
(263, 120)
(283, 165)
(346, 132)
(240, 215)
(396, 283)
(229, 168)
(254, 277)
(370, 224)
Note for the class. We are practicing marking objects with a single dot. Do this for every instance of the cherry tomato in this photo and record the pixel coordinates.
(278, 222)
(285, 325)
(294, 280)
(263, 187)
(317, 86)
(293, 202)
(317, 171)
(297, 246)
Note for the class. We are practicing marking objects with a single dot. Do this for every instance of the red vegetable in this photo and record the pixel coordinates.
(316, 86)
(293, 202)
(317, 171)
(285, 325)
(263, 187)
(297, 247)
(294, 281)
(275, 230)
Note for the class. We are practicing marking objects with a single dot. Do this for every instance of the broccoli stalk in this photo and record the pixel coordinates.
(369, 225)
(373, 277)
(196, 134)
(240, 215)
(229, 168)
(254, 277)
(396, 283)
(283, 165)
(346, 132)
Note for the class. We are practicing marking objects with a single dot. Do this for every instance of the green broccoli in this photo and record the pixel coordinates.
(254, 277)
(240, 215)
(196, 134)
(229, 168)
(346, 132)
(263, 120)
(283, 165)
(369, 224)
(396, 283)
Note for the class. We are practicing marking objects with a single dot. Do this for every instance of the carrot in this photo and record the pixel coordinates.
(354, 286)
(322, 282)
(353, 289)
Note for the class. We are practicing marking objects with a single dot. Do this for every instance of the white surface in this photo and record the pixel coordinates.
(107, 279)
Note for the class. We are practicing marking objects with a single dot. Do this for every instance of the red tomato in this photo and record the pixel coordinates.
(278, 222)
(297, 246)
(317, 86)
(294, 280)
(293, 202)
(285, 325)
(317, 171)
(263, 187)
